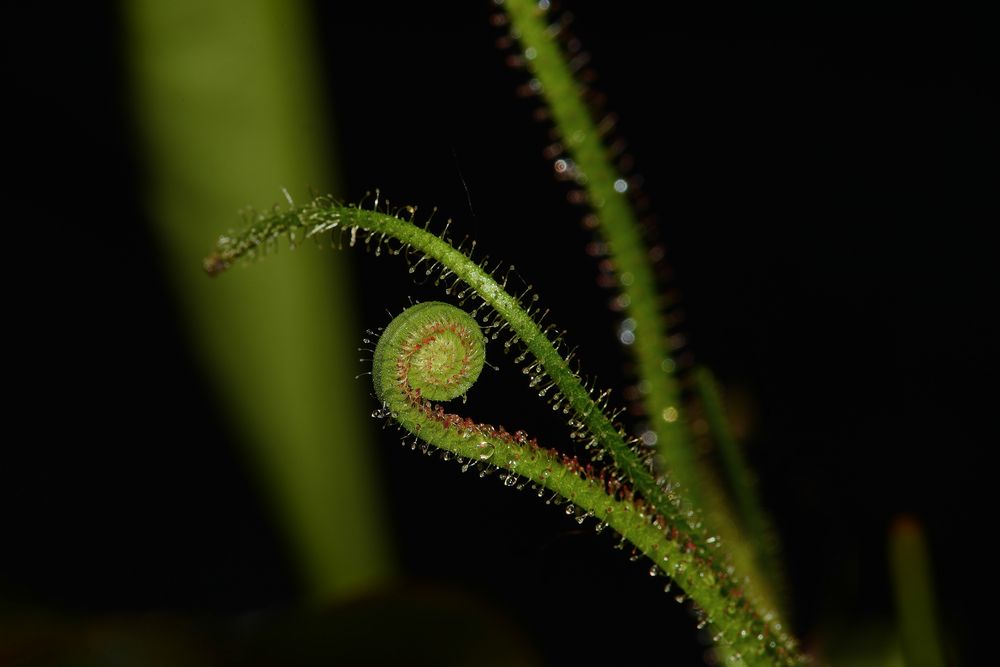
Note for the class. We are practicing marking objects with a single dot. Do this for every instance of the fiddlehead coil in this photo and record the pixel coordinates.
(432, 350)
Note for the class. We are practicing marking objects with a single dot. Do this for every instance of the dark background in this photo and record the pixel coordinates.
(824, 184)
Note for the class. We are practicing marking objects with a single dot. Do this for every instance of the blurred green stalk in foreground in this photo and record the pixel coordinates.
(913, 588)
(227, 104)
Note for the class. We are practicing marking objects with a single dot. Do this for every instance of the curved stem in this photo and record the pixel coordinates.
(323, 215)
(657, 522)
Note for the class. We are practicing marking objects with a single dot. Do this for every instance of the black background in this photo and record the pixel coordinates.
(823, 182)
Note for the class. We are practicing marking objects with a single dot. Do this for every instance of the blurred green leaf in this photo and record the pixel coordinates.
(228, 105)
(913, 588)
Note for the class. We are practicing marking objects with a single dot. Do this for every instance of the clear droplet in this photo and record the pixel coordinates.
(486, 450)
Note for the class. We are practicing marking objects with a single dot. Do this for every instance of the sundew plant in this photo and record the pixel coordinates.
(695, 519)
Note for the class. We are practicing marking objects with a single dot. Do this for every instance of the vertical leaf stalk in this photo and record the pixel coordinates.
(607, 196)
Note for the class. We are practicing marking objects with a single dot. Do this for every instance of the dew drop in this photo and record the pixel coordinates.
(486, 450)
(652, 570)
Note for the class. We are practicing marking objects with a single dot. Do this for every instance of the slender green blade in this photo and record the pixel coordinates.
(227, 105)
